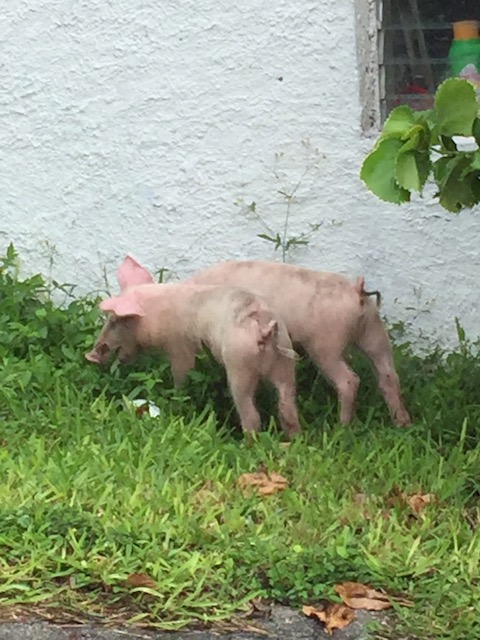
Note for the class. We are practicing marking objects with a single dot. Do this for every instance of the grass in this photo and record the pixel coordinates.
(91, 493)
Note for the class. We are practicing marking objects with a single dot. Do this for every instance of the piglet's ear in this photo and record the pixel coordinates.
(131, 273)
(121, 306)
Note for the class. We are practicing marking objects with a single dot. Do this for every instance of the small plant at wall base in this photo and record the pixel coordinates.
(417, 145)
(281, 240)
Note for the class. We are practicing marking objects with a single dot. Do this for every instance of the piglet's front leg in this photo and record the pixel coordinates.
(182, 360)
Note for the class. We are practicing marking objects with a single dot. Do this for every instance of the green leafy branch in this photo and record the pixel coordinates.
(417, 145)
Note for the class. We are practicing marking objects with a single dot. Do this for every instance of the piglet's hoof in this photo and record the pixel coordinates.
(403, 420)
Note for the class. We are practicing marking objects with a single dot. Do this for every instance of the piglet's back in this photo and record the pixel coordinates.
(218, 310)
(297, 295)
(169, 309)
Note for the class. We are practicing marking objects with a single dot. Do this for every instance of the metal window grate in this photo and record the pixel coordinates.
(414, 39)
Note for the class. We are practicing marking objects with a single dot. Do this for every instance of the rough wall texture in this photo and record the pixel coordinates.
(149, 127)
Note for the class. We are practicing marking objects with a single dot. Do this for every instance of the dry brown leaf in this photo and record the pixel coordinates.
(359, 596)
(472, 517)
(419, 501)
(141, 410)
(360, 498)
(334, 616)
(141, 580)
(265, 484)
(260, 607)
(256, 608)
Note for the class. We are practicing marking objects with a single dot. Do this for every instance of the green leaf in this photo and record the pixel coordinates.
(456, 191)
(378, 171)
(412, 170)
(425, 116)
(476, 160)
(441, 168)
(474, 184)
(424, 165)
(406, 171)
(448, 144)
(427, 120)
(417, 138)
(400, 120)
(456, 107)
(264, 236)
(11, 253)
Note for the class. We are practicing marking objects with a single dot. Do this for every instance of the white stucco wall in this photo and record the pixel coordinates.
(148, 127)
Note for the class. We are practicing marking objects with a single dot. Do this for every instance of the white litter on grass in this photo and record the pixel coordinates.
(144, 406)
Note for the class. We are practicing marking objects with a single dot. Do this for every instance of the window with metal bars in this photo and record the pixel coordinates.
(414, 42)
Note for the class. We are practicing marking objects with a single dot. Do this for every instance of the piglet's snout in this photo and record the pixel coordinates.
(99, 354)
